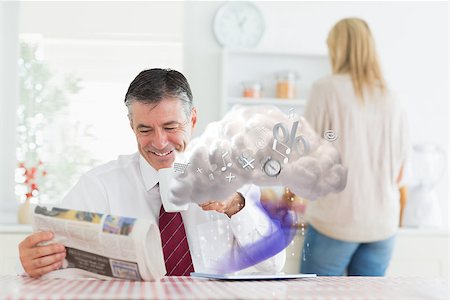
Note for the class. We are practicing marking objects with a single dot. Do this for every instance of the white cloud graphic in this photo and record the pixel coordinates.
(216, 163)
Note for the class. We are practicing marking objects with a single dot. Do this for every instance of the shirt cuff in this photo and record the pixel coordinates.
(250, 223)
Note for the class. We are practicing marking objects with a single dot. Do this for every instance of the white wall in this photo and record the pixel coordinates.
(118, 19)
(85, 29)
(9, 53)
(201, 60)
(411, 37)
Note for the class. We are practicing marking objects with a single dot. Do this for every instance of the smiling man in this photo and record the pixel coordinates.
(162, 116)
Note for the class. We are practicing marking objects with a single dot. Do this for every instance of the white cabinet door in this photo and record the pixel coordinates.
(423, 253)
(9, 258)
(10, 237)
(420, 253)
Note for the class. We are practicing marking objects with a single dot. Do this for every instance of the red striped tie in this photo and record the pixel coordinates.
(175, 246)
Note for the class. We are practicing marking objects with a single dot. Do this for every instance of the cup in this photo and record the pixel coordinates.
(251, 89)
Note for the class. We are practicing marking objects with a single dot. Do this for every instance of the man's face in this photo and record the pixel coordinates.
(161, 129)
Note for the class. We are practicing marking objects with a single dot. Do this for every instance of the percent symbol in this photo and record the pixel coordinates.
(289, 140)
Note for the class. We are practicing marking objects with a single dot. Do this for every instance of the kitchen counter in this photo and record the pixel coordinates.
(15, 229)
(418, 252)
(26, 228)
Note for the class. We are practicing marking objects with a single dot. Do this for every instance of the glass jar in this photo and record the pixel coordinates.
(251, 89)
(286, 84)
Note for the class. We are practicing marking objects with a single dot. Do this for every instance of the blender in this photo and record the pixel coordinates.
(426, 167)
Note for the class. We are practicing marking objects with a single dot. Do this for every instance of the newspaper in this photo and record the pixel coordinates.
(103, 246)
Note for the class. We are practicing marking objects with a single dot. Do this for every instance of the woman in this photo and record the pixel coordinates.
(353, 232)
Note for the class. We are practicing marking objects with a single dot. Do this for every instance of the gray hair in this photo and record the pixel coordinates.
(154, 85)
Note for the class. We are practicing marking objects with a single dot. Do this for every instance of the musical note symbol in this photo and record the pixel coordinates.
(288, 150)
(288, 139)
(225, 165)
(292, 114)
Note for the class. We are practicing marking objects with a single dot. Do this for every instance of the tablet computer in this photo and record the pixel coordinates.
(251, 276)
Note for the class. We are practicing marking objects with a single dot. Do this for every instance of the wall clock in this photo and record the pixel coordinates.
(238, 25)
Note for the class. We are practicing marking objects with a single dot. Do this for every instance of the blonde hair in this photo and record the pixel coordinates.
(352, 51)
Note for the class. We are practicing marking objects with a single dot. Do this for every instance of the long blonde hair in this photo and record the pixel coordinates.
(352, 51)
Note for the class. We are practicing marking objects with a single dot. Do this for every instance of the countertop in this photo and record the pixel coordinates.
(26, 228)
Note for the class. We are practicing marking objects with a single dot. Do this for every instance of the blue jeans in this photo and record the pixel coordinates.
(326, 256)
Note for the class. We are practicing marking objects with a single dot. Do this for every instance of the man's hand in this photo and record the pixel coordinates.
(39, 260)
(229, 207)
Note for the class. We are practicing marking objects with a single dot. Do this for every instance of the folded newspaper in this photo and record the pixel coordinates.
(103, 246)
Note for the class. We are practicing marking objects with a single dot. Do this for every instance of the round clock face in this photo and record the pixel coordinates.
(272, 167)
(238, 24)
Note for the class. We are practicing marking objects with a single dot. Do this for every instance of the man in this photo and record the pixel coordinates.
(162, 117)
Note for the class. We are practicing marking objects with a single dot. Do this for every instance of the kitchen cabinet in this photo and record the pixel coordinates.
(417, 252)
(10, 237)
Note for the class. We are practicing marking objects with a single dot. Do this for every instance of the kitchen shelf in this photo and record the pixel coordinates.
(243, 65)
(265, 101)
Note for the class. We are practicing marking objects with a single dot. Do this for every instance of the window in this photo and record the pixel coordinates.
(71, 114)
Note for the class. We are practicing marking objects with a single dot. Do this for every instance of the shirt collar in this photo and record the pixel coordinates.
(149, 174)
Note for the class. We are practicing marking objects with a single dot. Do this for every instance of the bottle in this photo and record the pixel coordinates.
(286, 84)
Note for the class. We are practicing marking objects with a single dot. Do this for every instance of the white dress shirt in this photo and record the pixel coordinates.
(128, 187)
(373, 144)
